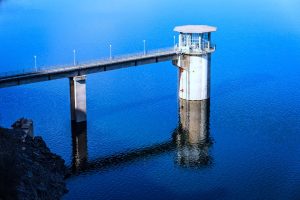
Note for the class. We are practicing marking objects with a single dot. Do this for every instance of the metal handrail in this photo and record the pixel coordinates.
(206, 49)
(106, 60)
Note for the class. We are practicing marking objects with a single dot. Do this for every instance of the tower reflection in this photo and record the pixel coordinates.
(191, 142)
(192, 135)
(79, 145)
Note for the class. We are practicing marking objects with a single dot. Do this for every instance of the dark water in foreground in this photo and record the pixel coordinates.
(242, 144)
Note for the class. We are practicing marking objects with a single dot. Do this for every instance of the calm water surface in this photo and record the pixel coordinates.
(242, 144)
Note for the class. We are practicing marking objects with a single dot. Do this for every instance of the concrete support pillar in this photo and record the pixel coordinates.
(78, 98)
(180, 40)
(194, 77)
(79, 144)
(209, 40)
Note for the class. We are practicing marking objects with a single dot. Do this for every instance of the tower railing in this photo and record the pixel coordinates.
(193, 49)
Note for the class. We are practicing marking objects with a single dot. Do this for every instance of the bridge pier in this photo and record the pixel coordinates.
(78, 98)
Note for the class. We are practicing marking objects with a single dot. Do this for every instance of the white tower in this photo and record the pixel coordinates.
(194, 52)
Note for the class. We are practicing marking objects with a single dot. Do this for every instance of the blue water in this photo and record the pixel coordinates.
(254, 120)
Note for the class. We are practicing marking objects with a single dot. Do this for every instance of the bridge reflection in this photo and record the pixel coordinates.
(190, 141)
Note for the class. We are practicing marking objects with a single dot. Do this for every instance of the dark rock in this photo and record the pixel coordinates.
(25, 125)
(28, 169)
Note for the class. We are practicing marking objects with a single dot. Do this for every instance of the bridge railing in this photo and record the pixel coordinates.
(105, 60)
(123, 57)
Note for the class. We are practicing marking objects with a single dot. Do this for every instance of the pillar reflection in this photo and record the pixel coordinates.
(192, 135)
(191, 142)
(79, 144)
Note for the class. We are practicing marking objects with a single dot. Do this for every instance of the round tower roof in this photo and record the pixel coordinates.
(195, 29)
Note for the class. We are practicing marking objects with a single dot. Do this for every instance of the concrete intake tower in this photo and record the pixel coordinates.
(194, 57)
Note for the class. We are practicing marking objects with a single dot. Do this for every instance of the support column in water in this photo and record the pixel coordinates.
(194, 58)
(78, 98)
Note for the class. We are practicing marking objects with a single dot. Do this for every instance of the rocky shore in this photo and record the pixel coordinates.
(28, 169)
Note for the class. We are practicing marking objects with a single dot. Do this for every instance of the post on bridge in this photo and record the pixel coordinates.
(194, 58)
(78, 98)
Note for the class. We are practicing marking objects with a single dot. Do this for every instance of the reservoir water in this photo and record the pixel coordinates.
(243, 143)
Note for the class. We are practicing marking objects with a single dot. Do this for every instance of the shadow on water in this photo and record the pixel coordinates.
(190, 142)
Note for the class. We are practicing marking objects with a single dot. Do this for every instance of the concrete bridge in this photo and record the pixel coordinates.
(57, 72)
(192, 55)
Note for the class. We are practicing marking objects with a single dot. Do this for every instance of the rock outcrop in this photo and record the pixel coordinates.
(28, 169)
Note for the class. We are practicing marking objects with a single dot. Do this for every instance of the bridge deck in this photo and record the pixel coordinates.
(57, 72)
